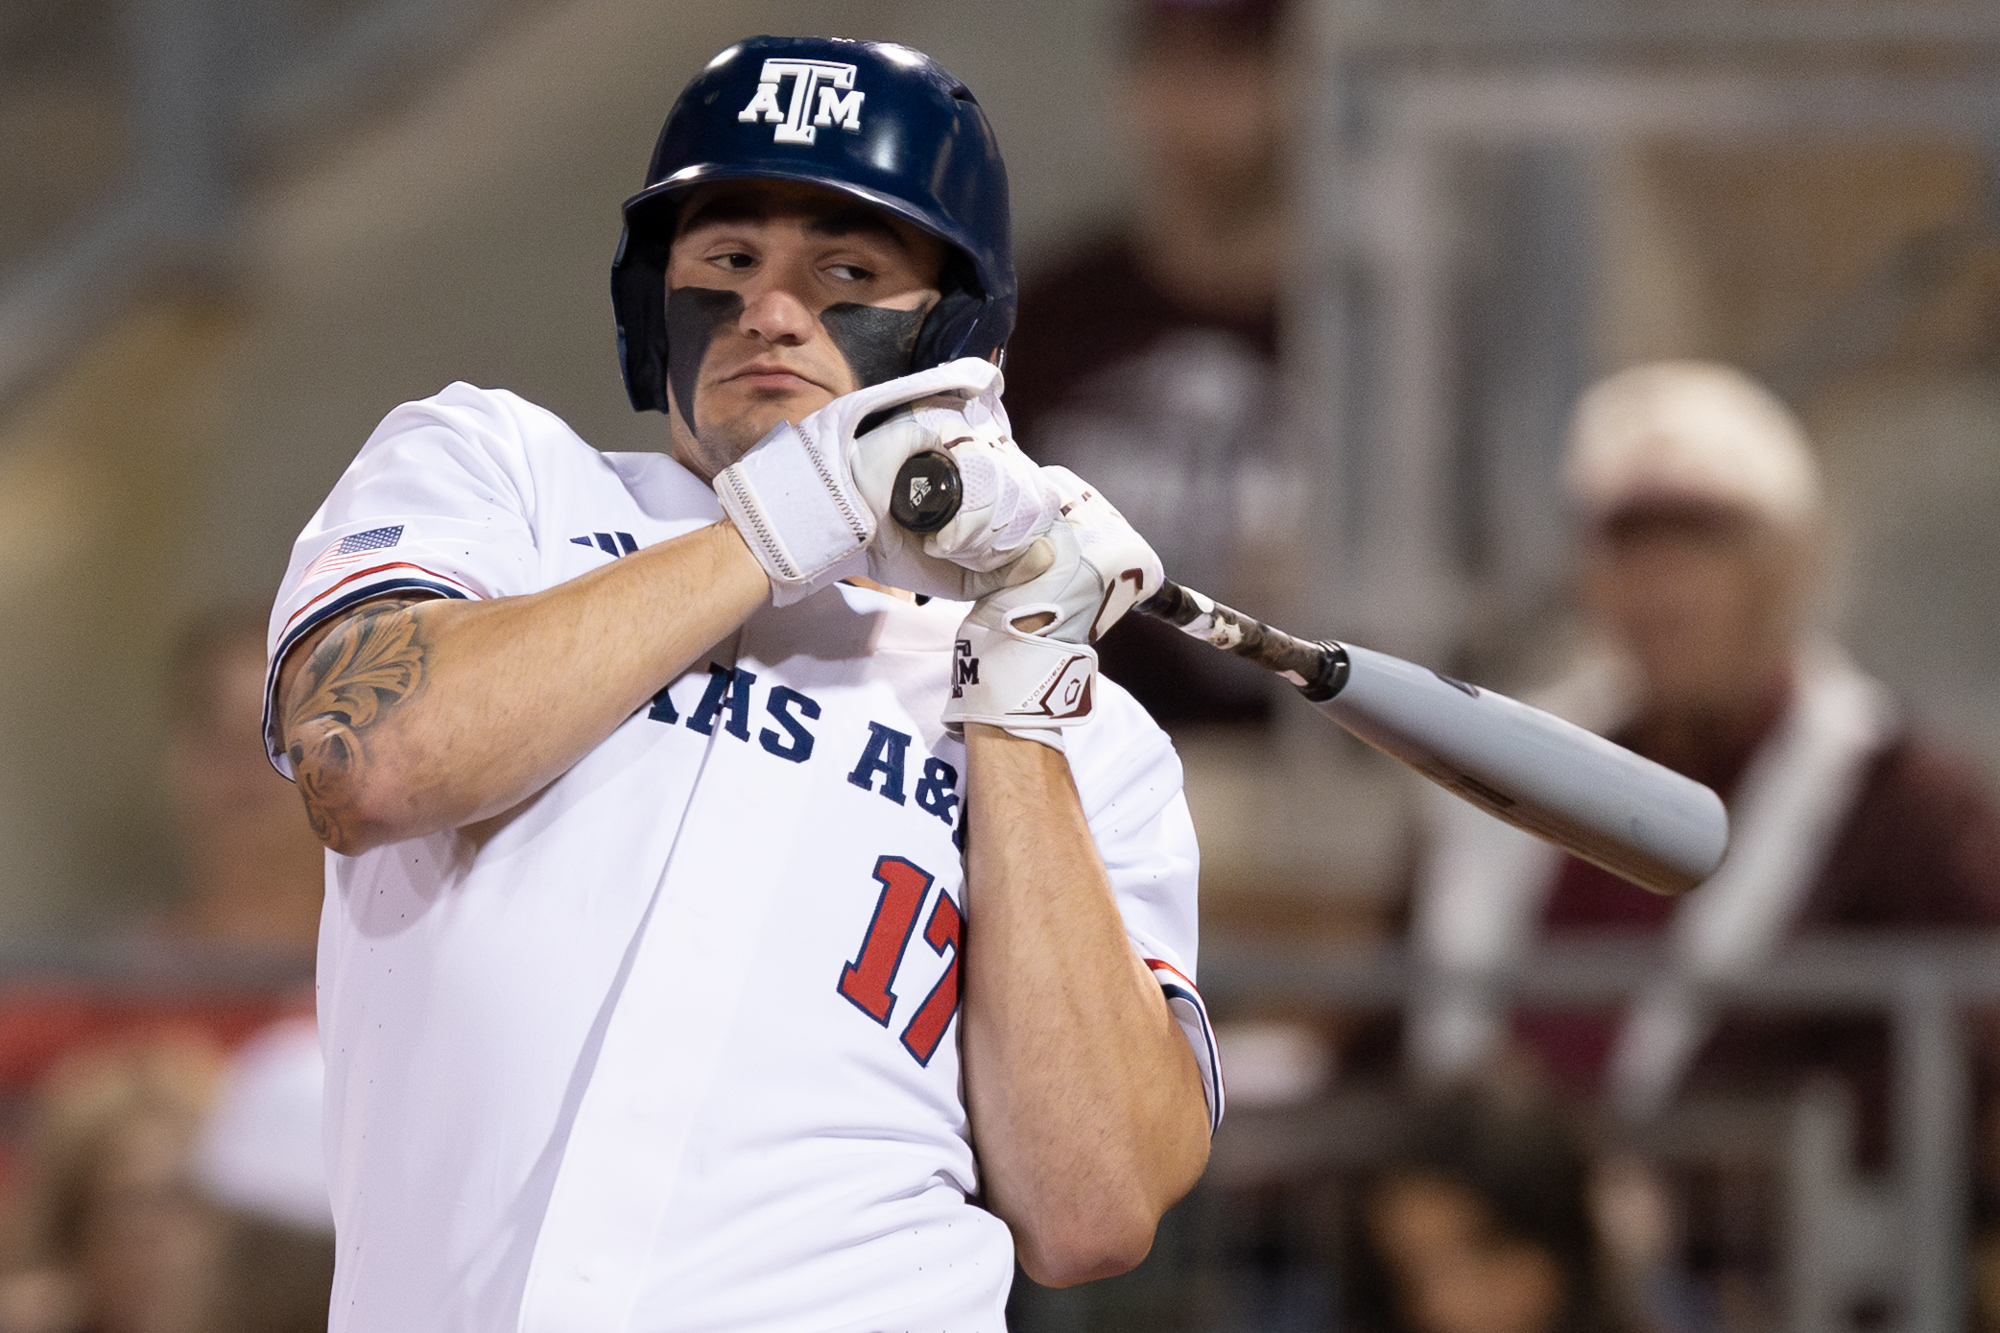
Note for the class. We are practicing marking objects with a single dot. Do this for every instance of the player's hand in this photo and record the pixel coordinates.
(1023, 659)
(1006, 503)
(795, 497)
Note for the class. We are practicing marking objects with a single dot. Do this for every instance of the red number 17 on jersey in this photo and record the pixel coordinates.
(866, 980)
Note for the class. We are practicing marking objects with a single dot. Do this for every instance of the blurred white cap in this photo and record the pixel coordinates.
(262, 1151)
(1680, 432)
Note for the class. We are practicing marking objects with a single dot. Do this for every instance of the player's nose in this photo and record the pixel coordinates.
(774, 312)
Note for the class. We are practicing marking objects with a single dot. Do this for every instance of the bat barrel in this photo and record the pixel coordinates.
(1548, 777)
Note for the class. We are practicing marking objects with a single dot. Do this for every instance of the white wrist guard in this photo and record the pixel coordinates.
(795, 496)
(798, 512)
(1030, 685)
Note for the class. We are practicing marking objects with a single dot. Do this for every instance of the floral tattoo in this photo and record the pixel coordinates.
(364, 670)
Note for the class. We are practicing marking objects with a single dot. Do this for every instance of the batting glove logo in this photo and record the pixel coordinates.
(1065, 694)
(839, 103)
(964, 668)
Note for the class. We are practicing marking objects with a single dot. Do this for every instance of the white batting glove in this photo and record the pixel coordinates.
(796, 499)
(1006, 501)
(1023, 660)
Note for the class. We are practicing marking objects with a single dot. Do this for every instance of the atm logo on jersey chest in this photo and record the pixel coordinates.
(823, 94)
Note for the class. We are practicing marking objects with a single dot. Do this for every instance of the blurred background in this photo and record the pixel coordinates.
(1313, 290)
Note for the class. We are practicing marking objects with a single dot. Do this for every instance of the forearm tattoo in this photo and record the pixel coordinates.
(365, 669)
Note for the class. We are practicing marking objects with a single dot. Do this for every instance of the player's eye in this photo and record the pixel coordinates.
(849, 272)
(734, 260)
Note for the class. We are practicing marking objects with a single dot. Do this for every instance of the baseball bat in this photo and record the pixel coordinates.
(1551, 778)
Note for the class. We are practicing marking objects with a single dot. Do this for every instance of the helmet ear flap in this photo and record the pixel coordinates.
(639, 297)
(951, 330)
(963, 322)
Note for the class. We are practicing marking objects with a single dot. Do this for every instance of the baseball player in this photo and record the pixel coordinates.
(728, 926)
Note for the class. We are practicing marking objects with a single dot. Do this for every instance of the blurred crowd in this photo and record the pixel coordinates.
(1528, 1177)
(159, 1103)
(162, 1169)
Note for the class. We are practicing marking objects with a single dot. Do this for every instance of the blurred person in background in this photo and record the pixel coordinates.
(234, 949)
(1701, 555)
(1479, 1222)
(1146, 358)
(252, 876)
(110, 1232)
(173, 1189)
(262, 1160)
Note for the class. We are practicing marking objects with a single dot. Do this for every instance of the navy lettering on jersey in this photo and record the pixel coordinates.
(727, 691)
(887, 749)
(883, 768)
(702, 719)
(937, 790)
(799, 747)
(739, 703)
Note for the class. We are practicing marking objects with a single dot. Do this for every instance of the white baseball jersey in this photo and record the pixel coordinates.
(671, 1046)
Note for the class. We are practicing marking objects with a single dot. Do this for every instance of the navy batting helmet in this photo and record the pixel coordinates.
(880, 122)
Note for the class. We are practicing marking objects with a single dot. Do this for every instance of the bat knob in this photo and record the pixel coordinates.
(926, 494)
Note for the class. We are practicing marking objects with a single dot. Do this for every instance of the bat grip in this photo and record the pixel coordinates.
(1318, 669)
(926, 496)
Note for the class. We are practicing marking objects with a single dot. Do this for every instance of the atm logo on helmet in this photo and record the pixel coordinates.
(831, 84)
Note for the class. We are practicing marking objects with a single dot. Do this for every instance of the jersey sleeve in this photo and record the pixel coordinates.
(1129, 780)
(434, 505)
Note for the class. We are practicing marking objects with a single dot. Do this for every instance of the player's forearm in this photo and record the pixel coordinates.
(1086, 1105)
(402, 719)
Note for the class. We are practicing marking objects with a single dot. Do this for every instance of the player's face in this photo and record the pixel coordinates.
(1707, 602)
(767, 283)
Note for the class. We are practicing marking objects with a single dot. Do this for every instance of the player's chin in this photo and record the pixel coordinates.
(757, 411)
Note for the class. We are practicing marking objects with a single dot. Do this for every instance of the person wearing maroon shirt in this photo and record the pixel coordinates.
(1146, 357)
(1700, 556)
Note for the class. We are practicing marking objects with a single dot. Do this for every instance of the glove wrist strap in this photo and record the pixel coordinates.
(1020, 682)
(795, 512)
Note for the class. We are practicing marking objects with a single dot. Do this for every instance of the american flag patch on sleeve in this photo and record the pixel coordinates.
(351, 549)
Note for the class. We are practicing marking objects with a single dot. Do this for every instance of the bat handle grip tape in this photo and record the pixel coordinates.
(927, 494)
(1318, 669)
